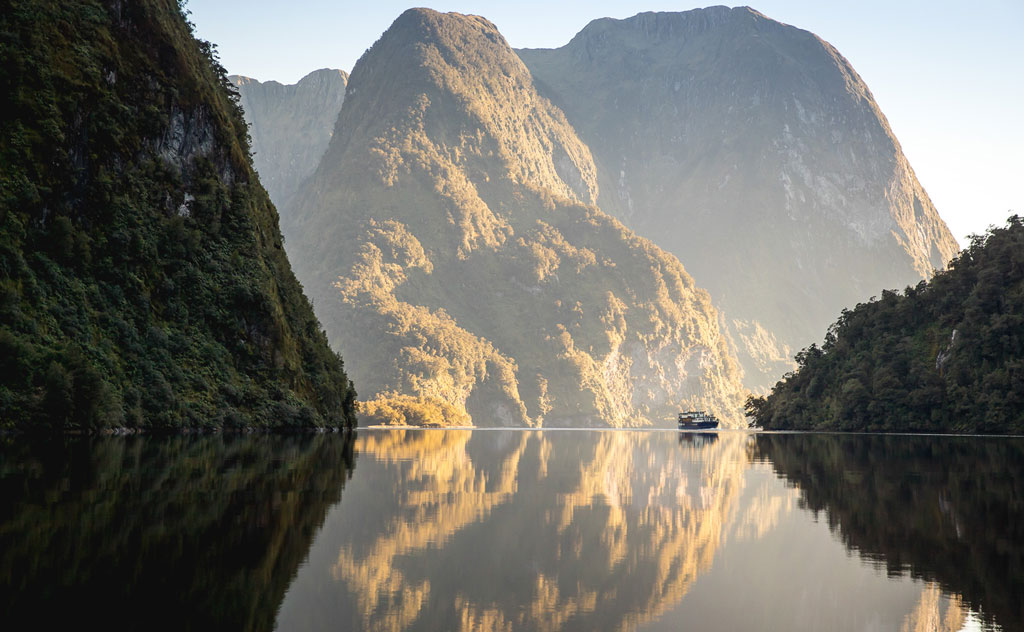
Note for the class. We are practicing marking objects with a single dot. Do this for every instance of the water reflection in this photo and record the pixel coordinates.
(160, 533)
(936, 612)
(523, 530)
(947, 510)
(515, 530)
(548, 530)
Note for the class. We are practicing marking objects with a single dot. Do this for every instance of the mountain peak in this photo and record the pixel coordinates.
(439, 21)
(447, 31)
(290, 125)
(320, 75)
(430, 38)
(459, 79)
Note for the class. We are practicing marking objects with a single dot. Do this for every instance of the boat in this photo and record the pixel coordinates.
(697, 420)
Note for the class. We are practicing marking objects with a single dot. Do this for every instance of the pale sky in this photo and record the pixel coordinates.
(949, 76)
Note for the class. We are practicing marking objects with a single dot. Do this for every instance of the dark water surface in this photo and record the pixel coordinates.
(514, 530)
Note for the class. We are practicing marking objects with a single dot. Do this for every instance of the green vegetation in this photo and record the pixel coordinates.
(168, 533)
(143, 281)
(948, 511)
(944, 356)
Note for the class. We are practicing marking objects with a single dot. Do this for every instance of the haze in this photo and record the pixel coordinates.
(947, 75)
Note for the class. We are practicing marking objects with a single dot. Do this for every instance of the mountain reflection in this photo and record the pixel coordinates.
(161, 533)
(520, 530)
(936, 612)
(948, 510)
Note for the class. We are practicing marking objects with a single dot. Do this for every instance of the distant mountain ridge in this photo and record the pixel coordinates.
(449, 243)
(753, 151)
(290, 125)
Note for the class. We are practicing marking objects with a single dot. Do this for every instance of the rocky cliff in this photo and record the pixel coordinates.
(754, 152)
(143, 281)
(454, 254)
(290, 126)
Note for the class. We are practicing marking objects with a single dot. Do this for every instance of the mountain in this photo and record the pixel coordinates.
(290, 126)
(754, 152)
(450, 244)
(945, 356)
(143, 280)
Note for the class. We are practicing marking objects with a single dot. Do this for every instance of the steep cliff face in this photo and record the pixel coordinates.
(290, 126)
(451, 248)
(755, 153)
(143, 280)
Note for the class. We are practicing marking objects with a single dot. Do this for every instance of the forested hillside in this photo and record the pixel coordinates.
(143, 280)
(944, 356)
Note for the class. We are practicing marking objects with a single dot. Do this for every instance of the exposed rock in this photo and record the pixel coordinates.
(943, 356)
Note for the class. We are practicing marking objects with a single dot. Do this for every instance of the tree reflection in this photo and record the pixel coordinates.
(947, 510)
(162, 533)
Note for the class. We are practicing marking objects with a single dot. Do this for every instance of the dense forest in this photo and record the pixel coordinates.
(143, 281)
(944, 356)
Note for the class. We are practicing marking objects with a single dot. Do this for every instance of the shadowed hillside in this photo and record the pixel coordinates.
(944, 356)
(143, 281)
(290, 126)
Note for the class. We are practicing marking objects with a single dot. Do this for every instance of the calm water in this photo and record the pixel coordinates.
(515, 530)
